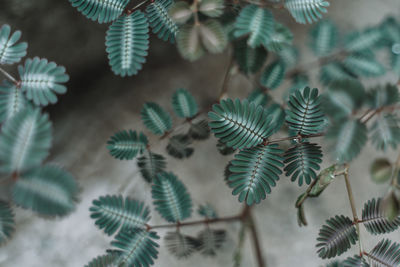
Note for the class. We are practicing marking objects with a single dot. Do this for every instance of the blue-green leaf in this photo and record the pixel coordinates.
(102, 11)
(127, 42)
(273, 75)
(279, 39)
(42, 80)
(127, 144)
(151, 165)
(324, 37)
(156, 119)
(184, 104)
(7, 222)
(11, 100)
(250, 60)
(213, 36)
(212, 8)
(306, 11)
(364, 64)
(385, 132)
(25, 141)
(10, 50)
(160, 21)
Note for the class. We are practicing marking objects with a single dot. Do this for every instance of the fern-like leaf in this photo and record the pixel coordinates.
(386, 132)
(102, 11)
(179, 245)
(103, 261)
(171, 198)
(10, 50)
(336, 237)
(250, 60)
(160, 21)
(304, 114)
(324, 37)
(11, 100)
(254, 172)
(257, 22)
(127, 42)
(212, 8)
(360, 41)
(383, 96)
(7, 222)
(178, 146)
(188, 42)
(385, 254)
(127, 144)
(273, 75)
(240, 124)
(47, 190)
(184, 104)
(151, 165)
(348, 138)
(374, 219)
(180, 12)
(306, 11)
(334, 71)
(156, 119)
(355, 261)
(135, 248)
(207, 211)
(25, 140)
(364, 64)
(213, 36)
(279, 39)
(113, 212)
(42, 80)
(211, 241)
(258, 97)
(302, 161)
(199, 130)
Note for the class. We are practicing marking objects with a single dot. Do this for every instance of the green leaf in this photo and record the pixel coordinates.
(374, 219)
(342, 98)
(156, 119)
(178, 146)
(100, 10)
(151, 165)
(289, 55)
(355, 261)
(279, 39)
(383, 96)
(11, 100)
(224, 149)
(127, 144)
(304, 114)
(359, 41)
(299, 81)
(160, 21)
(273, 75)
(102, 261)
(240, 124)
(302, 160)
(25, 141)
(127, 42)
(306, 11)
(211, 241)
(171, 198)
(250, 60)
(180, 12)
(332, 72)
(258, 97)
(278, 115)
(184, 104)
(10, 50)
(7, 222)
(199, 130)
(364, 64)
(213, 36)
(112, 213)
(336, 237)
(254, 172)
(42, 80)
(179, 245)
(212, 8)
(385, 132)
(135, 248)
(47, 190)
(324, 37)
(348, 138)
(385, 253)
(188, 42)
(207, 211)
(257, 22)
(381, 170)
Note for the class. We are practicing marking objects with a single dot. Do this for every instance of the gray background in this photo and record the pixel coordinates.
(99, 103)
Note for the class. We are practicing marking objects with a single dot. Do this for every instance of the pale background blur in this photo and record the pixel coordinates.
(99, 103)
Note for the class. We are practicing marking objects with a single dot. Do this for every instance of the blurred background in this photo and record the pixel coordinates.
(98, 104)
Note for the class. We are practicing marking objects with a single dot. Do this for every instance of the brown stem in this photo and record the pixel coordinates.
(256, 242)
(10, 77)
(224, 88)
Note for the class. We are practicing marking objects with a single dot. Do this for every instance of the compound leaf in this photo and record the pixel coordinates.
(171, 198)
(160, 21)
(25, 140)
(10, 50)
(385, 254)
(213, 36)
(199, 130)
(188, 42)
(178, 146)
(151, 165)
(179, 245)
(180, 12)
(374, 219)
(324, 37)
(279, 39)
(184, 104)
(355, 261)
(114, 212)
(210, 241)
(42, 80)
(250, 60)
(364, 64)
(156, 119)
(306, 11)
(7, 222)
(100, 10)
(102, 261)
(127, 144)
(254, 171)
(336, 237)
(385, 132)
(47, 190)
(273, 75)
(212, 8)
(11, 100)
(127, 42)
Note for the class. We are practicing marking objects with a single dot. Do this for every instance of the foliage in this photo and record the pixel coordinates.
(160, 21)
(127, 144)
(155, 118)
(11, 51)
(184, 104)
(7, 222)
(306, 11)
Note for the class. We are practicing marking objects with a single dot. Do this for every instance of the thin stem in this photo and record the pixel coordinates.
(353, 208)
(224, 88)
(196, 12)
(8, 76)
(130, 11)
(256, 242)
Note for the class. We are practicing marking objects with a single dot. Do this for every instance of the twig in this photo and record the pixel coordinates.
(224, 87)
(130, 11)
(256, 242)
(8, 76)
